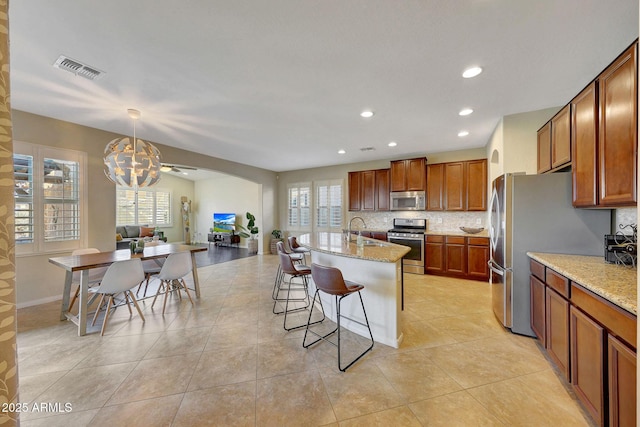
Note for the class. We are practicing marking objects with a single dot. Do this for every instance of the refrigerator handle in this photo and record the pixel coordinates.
(496, 268)
(494, 218)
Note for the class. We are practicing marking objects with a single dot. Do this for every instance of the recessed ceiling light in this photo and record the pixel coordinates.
(463, 133)
(465, 111)
(471, 72)
(392, 144)
(341, 151)
(185, 173)
(366, 114)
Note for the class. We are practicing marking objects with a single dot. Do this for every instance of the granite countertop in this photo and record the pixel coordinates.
(615, 283)
(373, 250)
(483, 233)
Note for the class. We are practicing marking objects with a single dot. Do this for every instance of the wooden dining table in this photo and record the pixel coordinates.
(83, 263)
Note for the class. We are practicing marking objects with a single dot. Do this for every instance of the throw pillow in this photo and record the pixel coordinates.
(146, 231)
(118, 237)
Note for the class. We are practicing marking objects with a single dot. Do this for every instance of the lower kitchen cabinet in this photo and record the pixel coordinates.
(591, 341)
(557, 330)
(622, 383)
(457, 256)
(587, 363)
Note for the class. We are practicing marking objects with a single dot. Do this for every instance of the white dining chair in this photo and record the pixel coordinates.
(120, 278)
(95, 274)
(151, 267)
(171, 276)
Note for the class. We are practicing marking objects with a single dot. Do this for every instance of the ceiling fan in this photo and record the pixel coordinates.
(175, 168)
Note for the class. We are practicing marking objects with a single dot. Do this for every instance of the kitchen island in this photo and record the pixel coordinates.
(377, 265)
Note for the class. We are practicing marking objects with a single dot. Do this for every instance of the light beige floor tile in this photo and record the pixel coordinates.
(454, 410)
(361, 390)
(179, 341)
(283, 357)
(31, 386)
(230, 405)
(468, 327)
(485, 361)
(120, 349)
(84, 389)
(156, 377)
(74, 418)
(149, 413)
(59, 356)
(421, 334)
(298, 399)
(415, 377)
(400, 416)
(231, 336)
(541, 396)
(230, 366)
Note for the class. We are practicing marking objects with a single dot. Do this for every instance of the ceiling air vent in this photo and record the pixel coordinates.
(78, 68)
(367, 149)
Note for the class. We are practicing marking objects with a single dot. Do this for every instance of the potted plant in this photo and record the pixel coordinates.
(252, 235)
(276, 236)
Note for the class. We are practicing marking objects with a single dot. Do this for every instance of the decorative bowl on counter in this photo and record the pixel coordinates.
(472, 230)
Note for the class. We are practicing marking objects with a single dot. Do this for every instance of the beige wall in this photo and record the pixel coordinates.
(227, 194)
(37, 280)
(179, 187)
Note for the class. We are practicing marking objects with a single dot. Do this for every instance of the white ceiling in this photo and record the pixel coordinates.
(279, 84)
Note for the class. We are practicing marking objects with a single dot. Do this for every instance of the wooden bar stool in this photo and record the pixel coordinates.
(330, 281)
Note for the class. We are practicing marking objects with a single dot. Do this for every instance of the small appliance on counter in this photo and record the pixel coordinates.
(622, 248)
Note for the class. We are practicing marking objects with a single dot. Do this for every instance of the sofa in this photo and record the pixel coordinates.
(125, 234)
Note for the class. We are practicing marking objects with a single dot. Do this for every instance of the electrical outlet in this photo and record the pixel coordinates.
(439, 220)
(385, 219)
(478, 221)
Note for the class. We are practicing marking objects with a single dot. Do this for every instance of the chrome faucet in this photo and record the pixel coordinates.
(349, 229)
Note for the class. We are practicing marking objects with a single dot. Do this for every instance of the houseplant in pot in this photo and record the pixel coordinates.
(250, 232)
(276, 236)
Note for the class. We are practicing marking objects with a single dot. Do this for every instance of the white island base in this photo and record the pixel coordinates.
(381, 296)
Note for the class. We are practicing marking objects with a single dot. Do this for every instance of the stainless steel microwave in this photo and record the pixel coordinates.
(408, 200)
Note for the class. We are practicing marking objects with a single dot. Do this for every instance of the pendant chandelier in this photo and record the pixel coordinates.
(132, 162)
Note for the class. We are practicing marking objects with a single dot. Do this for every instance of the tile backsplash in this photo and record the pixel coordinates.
(624, 216)
(436, 221)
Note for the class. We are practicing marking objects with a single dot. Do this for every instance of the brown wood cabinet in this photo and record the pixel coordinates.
(434, 254)
(587, 363)
(457, 186)
(557, 330)
(538, 304)
(622, 383)
(383, 184)
(457, 256)
(369, 190)
(592, 342)
(355, 191)
(456, 260)
(409, 175)
(435, 187)
(561, 138)
(618, 131)
(477, 258)
(584, 147)
(544, 148)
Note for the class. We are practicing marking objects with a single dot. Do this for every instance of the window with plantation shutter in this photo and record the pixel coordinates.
(50, 199)
(150, 207)
(328, 205)
(299, 206)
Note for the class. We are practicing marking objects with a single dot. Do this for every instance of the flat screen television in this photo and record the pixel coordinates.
(224, 222)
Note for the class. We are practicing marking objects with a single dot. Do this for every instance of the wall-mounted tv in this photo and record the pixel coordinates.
(224, 222)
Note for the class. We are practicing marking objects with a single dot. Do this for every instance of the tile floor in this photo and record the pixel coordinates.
(227, 361)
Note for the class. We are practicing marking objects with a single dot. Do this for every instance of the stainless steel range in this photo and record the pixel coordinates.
(410, 232)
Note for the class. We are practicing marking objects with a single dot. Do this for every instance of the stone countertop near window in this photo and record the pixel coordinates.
(615, 283)
(372, 250)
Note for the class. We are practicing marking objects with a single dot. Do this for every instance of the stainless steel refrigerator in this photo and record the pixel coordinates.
(534, 213)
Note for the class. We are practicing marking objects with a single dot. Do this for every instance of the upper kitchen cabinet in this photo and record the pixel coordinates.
(457, 186)
(604, 137)
(584, 146)
(561, 138)
(544, 148)
(369, 190)
(554, 142)
(618, 131)
(409, 175)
